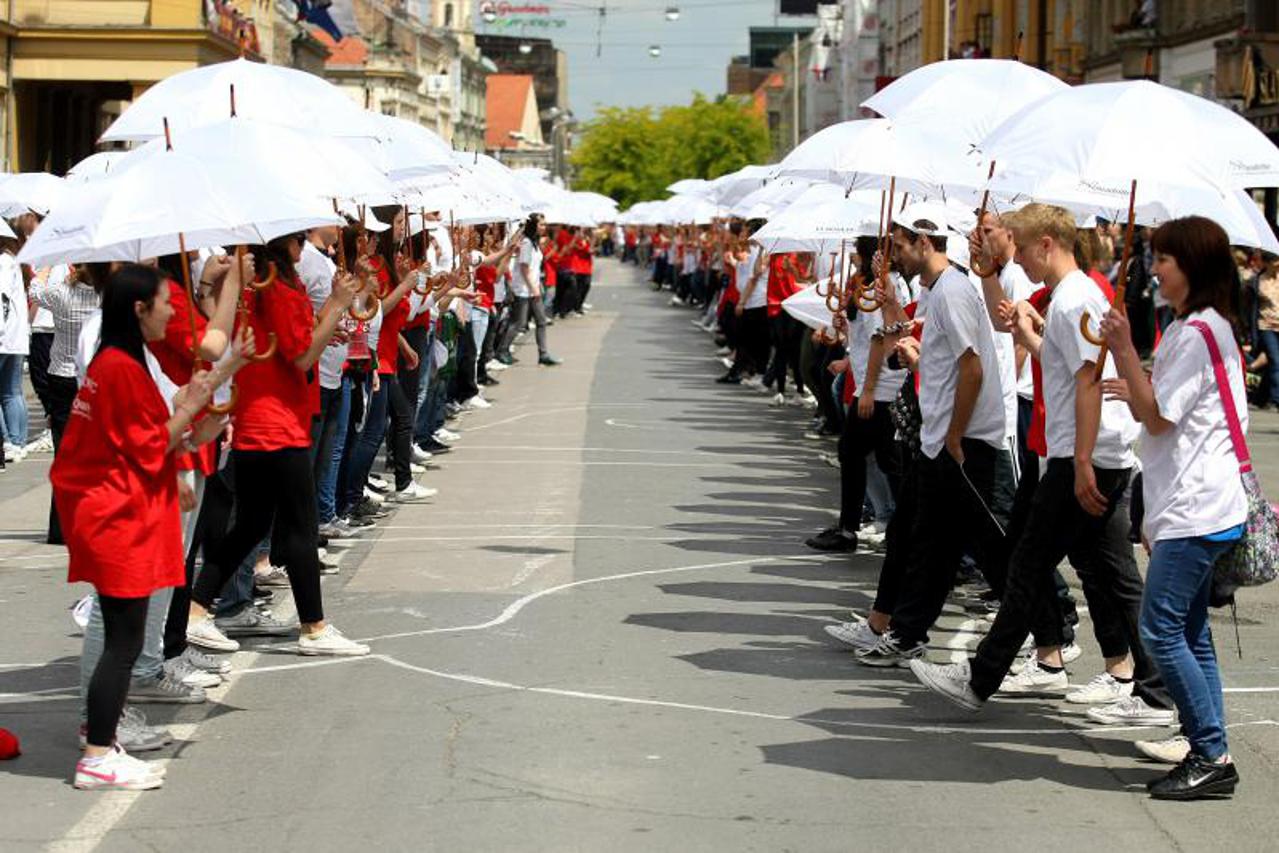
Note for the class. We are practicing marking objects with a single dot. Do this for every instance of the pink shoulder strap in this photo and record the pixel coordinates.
(1227, 396)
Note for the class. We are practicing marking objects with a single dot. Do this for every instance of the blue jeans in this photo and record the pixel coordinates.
(367, 444)
(1270, 345)
(13, 405)
(1174, 629)
(326, 483)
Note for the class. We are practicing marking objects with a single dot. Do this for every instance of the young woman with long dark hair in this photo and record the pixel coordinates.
(115, 482)
(274, 477)
(1193, 410)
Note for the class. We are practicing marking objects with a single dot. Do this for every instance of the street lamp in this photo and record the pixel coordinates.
(526, 48)
(654, 50)
(488, 12)
(672, 13)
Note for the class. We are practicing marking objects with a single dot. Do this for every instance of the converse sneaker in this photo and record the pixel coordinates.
(274, 576)
(857, 634)
(177, 669)
(444, 436)
(1035, 680)
(419, 455)
(476, 403)
(950, 681)
(1171, 750)
(890, 651)
(205, 634)
(414, 493)
(133, 734)
(252, 622)
(329, 641)
(1104, 689)
(198, 659)
(116, 770)
(779, 399)
(1132, 711)
(162, 689)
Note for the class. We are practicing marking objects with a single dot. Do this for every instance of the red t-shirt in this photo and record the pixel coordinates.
(563, 254)
(176, 354)
(277, 400)
(393, 321)
(116, 485)
(582, 262)
(486, 286)
(781, 283)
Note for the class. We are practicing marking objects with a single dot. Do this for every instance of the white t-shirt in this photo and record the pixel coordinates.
(15, 317)
(1018, 287)
(1063, 353)
(1190, 476)
(860, 326)
(745, 269)
(317, 271)
(1006, 353)
(531, 255)
(958, 322)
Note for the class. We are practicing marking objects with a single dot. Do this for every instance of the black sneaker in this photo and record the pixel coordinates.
(549, 360)
(729, 378)
(833, 539)
(1195, 778)
(488, 380)
(365, 508)
(356, 521)
(435, 448)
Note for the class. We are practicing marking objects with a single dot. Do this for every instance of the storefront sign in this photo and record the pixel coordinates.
(522, 15)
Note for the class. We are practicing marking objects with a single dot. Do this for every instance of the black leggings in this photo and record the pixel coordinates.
(60, 394)
(274, 493)
(124, 622)
(399, 437)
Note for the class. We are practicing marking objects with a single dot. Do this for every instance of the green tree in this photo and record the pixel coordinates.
(632, 154)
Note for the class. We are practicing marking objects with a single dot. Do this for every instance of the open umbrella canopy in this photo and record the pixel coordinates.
(94, 166)
(1113, 133)
(735, 186)
(963, 99)
(690, 186)
(822, 220)
(405, 149)
(138, 213)
(38, 192)
(771, 198)
(312, 165)
(256, 91)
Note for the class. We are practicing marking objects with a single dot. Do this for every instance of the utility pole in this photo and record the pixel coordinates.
(795, 90)
(945, 29)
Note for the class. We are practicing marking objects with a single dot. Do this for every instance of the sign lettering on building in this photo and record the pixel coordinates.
(522, 15)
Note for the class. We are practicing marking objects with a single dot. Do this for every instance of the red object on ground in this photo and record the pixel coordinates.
(8, 745)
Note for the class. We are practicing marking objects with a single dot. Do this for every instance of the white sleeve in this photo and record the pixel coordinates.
(1185, 371)
(1065, 335)
(960, 314)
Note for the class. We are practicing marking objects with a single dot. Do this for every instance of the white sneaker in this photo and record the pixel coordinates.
(203, 633)
(374, 497)
(872, 532)
(276, 576)
(419, 455)
(1102, 690)
(329, 641)
(950, 681)
(857, 634)
(1034, 679)
(379, 484)
(779, 399)
(476, 403)
(753, 382)
(495, 366)
(727, 362)
(118, 771)
(14, 453)
(1131, 711)
(724, 351)
(444, 435)
(414, 493)
(415, 468)
(208, 663)
(42, 444)
(1172, 750)
(1071, 653)
(179, 670)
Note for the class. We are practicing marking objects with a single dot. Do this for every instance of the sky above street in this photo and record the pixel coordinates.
(696, 49)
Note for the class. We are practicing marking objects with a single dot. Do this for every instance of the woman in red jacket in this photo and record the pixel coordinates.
(115, 483)
(274, 478)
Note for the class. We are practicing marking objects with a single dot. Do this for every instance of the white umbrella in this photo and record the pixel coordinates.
(964, 99)
(38, 192)
(821, 220)
(690, 186)
(312, 165)
(94, 166)
(735, 186)
(809, 307)
(404, 150)
(1115, 133)
(273, 94)
(771, 198)
(139, 212)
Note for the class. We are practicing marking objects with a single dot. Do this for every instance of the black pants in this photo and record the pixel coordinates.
(581, 287)
(752, 341)
(465, 386)
(858, 439)
(897, 538)
(951, 515)
(399, 433)
(411, 377)
(274, 492)
(124, 622)
(1102, 555)
(786, 333)
(210, 526)
(486, 349)
(565, 293)
(60, 391)
(38, 364)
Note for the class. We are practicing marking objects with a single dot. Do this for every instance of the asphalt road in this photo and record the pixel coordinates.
(605, 633)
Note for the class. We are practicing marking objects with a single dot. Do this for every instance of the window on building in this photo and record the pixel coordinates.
(448, 14)
(985, 31)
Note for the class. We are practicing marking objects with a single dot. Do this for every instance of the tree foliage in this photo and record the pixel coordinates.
(633, 153)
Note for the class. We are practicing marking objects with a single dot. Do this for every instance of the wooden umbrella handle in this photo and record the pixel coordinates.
(228, 406)
(272, 273)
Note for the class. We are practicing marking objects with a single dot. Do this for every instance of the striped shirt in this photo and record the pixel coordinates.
(71, 304)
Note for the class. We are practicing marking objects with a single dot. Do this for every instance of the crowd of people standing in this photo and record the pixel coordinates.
(980, 447)
(217, 421)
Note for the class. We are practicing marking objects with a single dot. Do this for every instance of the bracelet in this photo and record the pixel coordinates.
(900, 328)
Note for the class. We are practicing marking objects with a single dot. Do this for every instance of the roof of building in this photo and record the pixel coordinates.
(351, 50)
(507, 99)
